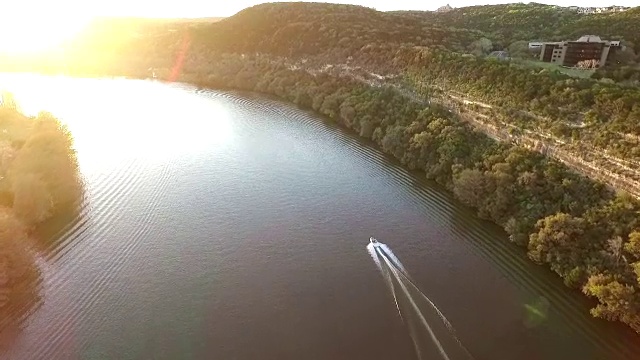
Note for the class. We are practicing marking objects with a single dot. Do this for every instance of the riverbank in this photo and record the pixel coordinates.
(38, 176)
(579, 228)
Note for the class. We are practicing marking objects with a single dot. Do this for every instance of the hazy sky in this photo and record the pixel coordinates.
(206, 8)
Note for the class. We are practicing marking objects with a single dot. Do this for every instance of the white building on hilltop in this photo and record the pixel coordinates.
(445, 8)
(598, 10)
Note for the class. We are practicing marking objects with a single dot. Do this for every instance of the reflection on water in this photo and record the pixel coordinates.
(49, 235)
(20, 279)
(21, 290)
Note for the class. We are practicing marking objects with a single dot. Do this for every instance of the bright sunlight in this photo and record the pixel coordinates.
(24, 32)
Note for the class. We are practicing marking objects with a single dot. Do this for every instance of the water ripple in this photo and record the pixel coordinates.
(258, 240)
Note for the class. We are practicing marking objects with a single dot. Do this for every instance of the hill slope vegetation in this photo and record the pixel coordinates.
(508, 23)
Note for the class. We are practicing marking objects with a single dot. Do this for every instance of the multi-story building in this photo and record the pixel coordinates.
(570, 53)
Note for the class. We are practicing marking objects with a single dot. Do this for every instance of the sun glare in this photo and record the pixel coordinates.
(23, 33)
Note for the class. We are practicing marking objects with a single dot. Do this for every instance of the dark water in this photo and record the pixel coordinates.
(229, 226)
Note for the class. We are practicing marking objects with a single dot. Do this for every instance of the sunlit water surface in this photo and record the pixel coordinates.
(221, 225)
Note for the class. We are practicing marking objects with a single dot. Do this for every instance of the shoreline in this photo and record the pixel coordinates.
(39, 177)
(372, 142)
(339, 117)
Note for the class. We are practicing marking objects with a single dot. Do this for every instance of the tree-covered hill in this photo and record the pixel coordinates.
(621, 25)
(505, 23)
(508, 23)
(313, 28)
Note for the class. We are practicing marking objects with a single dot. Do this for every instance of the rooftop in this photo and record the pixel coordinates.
(590, 38)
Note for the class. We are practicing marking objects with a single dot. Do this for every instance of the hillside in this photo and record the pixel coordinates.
(505, 24)
(312, 28)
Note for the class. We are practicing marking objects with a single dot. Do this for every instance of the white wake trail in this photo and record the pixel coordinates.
(390, 266)
(392, 257)
(374, 255)
(433, 336)
(385, 274)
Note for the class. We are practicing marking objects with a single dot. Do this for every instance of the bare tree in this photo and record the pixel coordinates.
(615, 247)
(588, 64)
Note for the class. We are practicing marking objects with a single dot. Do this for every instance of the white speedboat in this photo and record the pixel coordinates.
(373, 241)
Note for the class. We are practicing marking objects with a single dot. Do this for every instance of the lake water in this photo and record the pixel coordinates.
(222, 225)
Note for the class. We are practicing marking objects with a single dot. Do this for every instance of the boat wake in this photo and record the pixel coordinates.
(432, 334)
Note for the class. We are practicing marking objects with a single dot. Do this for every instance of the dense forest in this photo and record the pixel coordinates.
(38, 176)
(379, 75)
(311, 28)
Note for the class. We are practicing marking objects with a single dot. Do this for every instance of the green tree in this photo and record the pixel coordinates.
(558, 242)
(32, 202)
(632, 247)
(471, 187)
(625, 56)
(615, 247)
(617, 301)
(519, 49)
(481, 47)
(48, 154)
